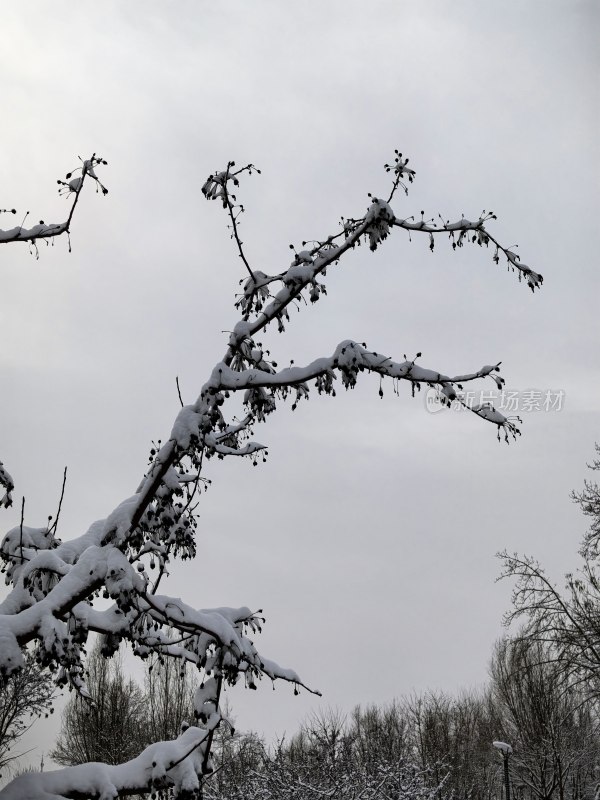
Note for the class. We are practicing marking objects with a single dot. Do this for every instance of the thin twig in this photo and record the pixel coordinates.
(234, 225)
(178, 390)
(21, 526)
(54, 526)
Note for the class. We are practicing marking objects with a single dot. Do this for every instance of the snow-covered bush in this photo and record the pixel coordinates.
(55, 585)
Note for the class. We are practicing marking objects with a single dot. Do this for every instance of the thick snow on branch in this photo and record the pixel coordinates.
(39, 231)
(55, 585)
(179, 764)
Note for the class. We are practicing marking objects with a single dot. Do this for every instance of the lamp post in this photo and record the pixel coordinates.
(506, 751)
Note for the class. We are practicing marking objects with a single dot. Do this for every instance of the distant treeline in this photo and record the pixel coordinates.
(432, 746)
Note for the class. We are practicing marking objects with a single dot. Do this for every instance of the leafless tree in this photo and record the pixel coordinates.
(566, 622)
(169, 698)
(550, 724)
(24, 697)
(110, 725)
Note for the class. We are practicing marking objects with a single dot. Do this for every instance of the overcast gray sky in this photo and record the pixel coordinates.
(371, 531)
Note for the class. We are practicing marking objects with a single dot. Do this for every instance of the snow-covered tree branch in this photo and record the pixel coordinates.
(55, 585)
(71, 188)
(176, 763)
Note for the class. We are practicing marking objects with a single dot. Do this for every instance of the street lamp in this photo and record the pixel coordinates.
(506, 751)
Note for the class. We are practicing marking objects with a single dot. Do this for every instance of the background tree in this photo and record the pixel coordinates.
(55, 584)
(453, 736)
(380, 734)
(566, 623)
(555, 662)
(121, 718)
(169, 690)
(24, 696)
(238, 757)
(550, 724)
(112, 724)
